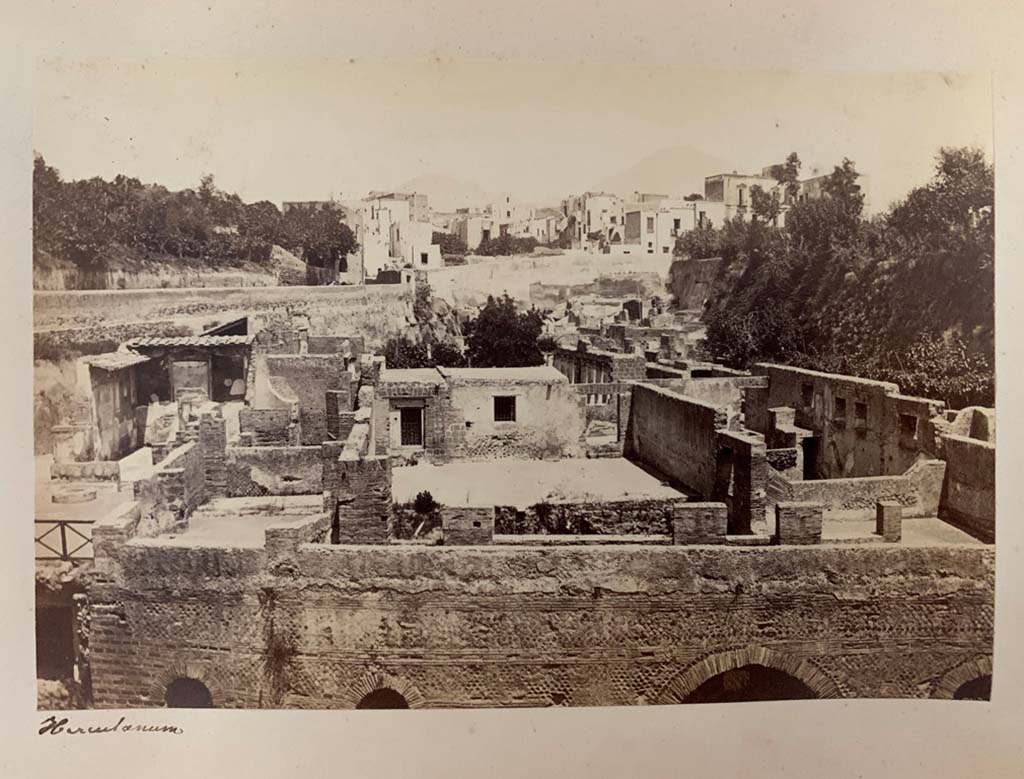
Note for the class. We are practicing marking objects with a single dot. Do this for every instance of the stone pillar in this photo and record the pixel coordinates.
(889, 520)
(363, 494)
(798, 523)
(699, 523)
(212, 443)
(336, 402)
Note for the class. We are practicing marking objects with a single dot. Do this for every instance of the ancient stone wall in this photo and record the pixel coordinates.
(531, 626)
(309, 376)
(618, 517)
(273, 470)
(675, 435)
(548, 421)
(265, 426)
(917, 491)
(969, 490)
(865, 427)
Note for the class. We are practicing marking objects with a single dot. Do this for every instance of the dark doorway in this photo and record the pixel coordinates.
(811, 446)
(750, 683)
(186, 693)
(412, 426)
(55, 642)
(384, 698)
(979, 689)
(228, 372)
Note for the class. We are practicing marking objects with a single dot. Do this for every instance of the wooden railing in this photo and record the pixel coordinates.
(63, 539)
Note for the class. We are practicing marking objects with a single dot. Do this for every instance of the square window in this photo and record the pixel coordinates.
(908, 425)
(860, 411)
(840, 410)
(807, 394)
(505, 408)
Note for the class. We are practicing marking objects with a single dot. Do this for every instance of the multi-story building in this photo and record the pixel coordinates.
(598, 217)
(389, 237)
(419, 208)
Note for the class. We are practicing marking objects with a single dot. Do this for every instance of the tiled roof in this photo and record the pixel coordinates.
(192, 340)
(115, 361)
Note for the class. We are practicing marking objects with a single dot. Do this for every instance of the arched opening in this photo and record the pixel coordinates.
(186, 693)
(750, 683)
(383, 698)
(977, 689)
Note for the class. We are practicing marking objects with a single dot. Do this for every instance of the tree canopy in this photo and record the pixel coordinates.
(906, 297)
(88, 221)
(501, 336)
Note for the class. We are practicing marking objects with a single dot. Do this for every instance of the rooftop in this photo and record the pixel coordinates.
(192, 340)
(523, 483)
(540, 374)
(412, 376)
(115, 361)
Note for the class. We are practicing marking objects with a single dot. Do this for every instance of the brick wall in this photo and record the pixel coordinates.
(361, 490)
(213, 442)
(531, 626)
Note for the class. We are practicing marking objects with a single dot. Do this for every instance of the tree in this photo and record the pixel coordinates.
(450, 243)
(764, 206)
(403, 353)
(694, 196)
(505, 245)
(319, 236)
(501, 336)
(788, 176)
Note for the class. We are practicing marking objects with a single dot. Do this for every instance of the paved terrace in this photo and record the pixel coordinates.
(523, 483)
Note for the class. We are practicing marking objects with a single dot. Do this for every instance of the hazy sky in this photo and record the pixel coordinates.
(303, 130)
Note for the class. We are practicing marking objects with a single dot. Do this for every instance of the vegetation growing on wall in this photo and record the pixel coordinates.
(906, 297)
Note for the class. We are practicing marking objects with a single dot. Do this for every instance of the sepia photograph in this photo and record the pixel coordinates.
(462, 384)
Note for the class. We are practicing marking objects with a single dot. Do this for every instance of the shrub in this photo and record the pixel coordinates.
(425, 503)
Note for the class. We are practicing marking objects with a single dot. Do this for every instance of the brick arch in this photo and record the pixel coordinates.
(183, 669)
(694, 675)
(378, 679)
(951, 680)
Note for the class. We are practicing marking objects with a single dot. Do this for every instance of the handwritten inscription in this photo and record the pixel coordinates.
(54, 726)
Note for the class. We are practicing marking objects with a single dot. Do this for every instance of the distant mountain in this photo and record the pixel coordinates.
(446, 193)
(676, 171)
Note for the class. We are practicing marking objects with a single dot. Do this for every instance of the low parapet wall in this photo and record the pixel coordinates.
(506, 625)
(917, 491)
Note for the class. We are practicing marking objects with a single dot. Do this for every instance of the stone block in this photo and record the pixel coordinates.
(468, 526)
(699, 523)
(798, 523)
(889, 520)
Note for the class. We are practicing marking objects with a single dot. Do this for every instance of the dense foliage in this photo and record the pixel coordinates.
(501, 336)
(450, 243)
(505, 245)
(403, 353)
(906, 297)
(90, 221)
